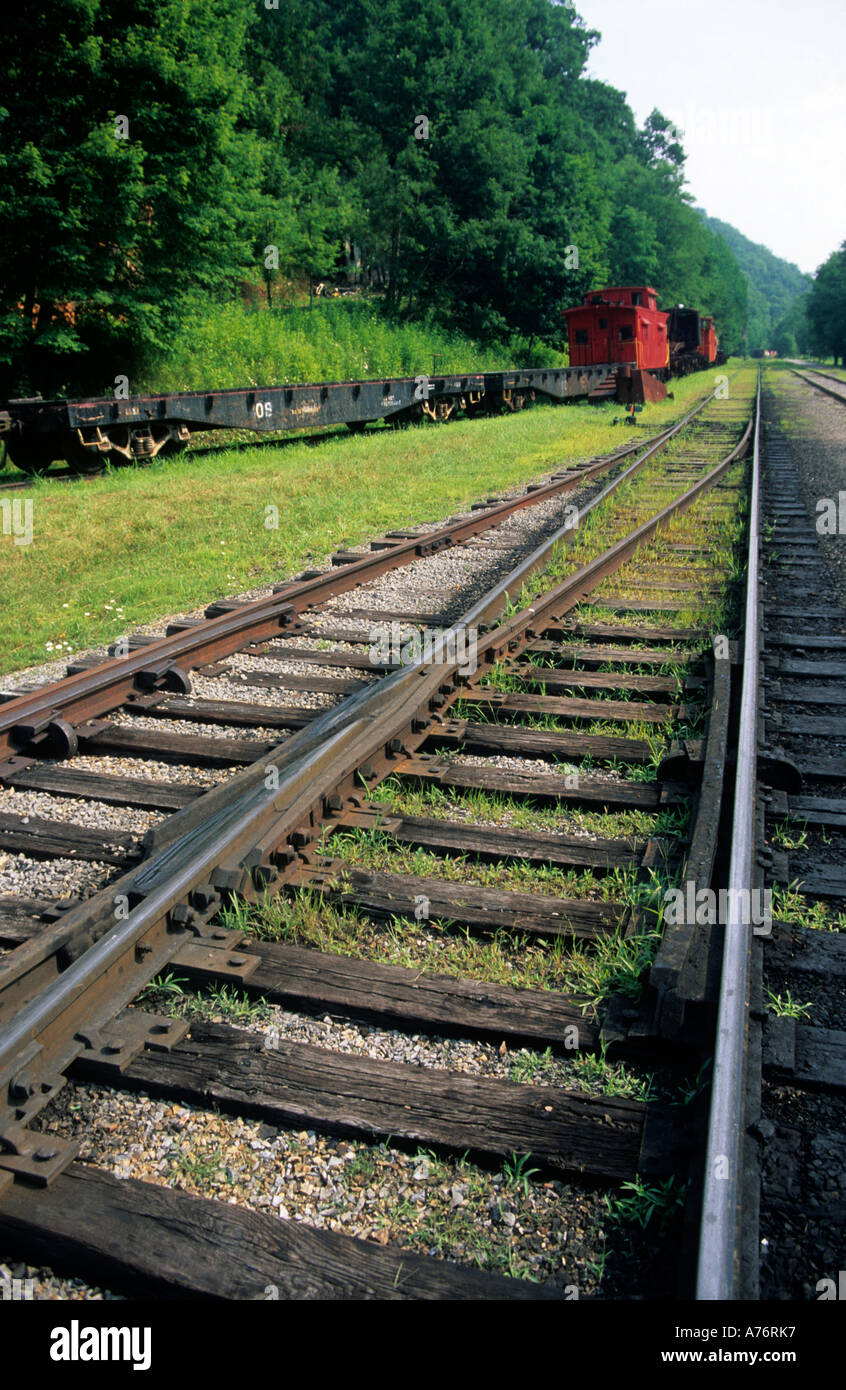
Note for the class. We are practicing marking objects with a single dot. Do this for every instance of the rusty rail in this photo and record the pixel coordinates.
(60, 993)
(42, 722)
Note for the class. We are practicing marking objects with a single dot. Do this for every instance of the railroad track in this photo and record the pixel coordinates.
(413, 826)
(835, 375)
(775, 1229)
(813, 380)
(20, 484)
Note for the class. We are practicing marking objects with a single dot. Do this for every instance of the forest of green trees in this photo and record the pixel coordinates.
(777, 293)
(156, 155)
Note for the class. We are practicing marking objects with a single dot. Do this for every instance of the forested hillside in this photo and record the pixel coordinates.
(160, 155)
(777, 292)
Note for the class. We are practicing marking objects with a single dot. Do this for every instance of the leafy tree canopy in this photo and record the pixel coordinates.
(454, 156)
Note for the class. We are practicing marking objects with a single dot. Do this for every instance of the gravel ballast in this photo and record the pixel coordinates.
(553, 1231)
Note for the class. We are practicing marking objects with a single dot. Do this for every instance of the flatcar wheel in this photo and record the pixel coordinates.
(84, 460)
(29, 457)
(92, 464)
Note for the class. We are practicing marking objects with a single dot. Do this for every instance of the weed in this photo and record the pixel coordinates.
(689, 1090)
(663, 1199)
(787, 834)
(234, 1005)
(611, 1078)
(527, 1065)
(596, 1268)
(516, 1174)
(363, 1165)
(197, 1168)
(786, 1007)
(789, 905)
(169, 985)
(614, 964)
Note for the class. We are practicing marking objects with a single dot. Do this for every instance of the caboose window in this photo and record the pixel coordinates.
(626, 334)
(581, 337)
(603, 323)
(637, 297)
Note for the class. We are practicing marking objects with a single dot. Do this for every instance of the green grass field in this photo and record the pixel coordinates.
(140, 543)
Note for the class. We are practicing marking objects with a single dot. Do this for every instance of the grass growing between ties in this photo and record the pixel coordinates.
(587, 1072)
(612, 1078)
(216, 1004)
(708, 533)
(790, 905)
(643, 1225)
(371, 849)
(508, 1221)
(645, 1203)
(139, 543)
(495, 808)
(705, 527)
(589, 972)
(791, 833)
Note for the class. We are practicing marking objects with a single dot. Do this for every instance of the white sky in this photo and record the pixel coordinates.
(759, 89)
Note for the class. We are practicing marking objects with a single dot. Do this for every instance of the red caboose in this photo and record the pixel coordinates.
(619, 325)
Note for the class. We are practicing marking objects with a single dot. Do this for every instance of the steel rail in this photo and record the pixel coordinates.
(718, 1270)
(829, 376)
(76, 925)
(482, 613)
(43, 714)
(43, 717)
(44, 1030)
(835, 395)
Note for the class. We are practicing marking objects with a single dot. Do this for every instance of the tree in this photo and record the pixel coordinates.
(126, 183)
(157, 152)
(826, 307)
(776, 289)
(634, 240)
(660, 143)
(792, 333)
(306, 205)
